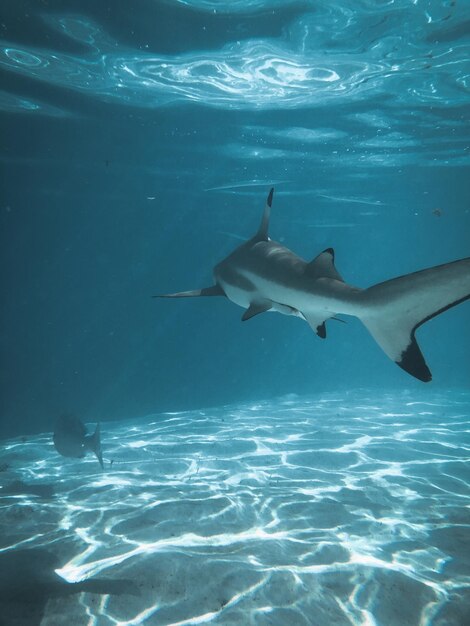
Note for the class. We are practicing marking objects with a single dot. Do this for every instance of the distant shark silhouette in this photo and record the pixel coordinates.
(72, 439)
(261, 275)
(28, 579)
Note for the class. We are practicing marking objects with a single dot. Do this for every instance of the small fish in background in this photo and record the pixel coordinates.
(437, 212)
(71, 439)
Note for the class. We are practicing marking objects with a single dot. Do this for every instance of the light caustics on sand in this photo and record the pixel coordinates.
(341, 506)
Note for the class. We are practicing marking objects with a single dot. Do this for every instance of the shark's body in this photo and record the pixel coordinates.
(262, 275)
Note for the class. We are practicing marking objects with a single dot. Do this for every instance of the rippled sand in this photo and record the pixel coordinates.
(339, 509)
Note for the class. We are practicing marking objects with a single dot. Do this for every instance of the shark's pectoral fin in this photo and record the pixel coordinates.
(317, 324)
(256, 308)
(215, 290)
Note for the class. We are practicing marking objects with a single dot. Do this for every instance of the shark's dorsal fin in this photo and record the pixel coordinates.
(262, 233)
(323, 266)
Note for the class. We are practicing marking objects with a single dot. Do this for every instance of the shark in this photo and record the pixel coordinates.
(262, 275)
(71, 439)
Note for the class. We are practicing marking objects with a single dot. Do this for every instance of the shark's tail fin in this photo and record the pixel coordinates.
(93, 442)
(393, 310)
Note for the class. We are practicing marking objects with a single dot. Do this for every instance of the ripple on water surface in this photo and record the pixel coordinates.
(414, 50)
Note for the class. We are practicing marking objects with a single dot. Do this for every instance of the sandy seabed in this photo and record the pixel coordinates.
(339, 509)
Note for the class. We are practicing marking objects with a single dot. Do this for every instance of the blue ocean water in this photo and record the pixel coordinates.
(254, 473)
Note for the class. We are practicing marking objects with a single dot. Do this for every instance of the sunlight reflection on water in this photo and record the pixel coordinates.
(332, 52)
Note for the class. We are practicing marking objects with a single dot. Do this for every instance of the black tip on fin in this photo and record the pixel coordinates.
(412, 361)
(262, 234)
(330, 251)
(321, 331)
(269, 201)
